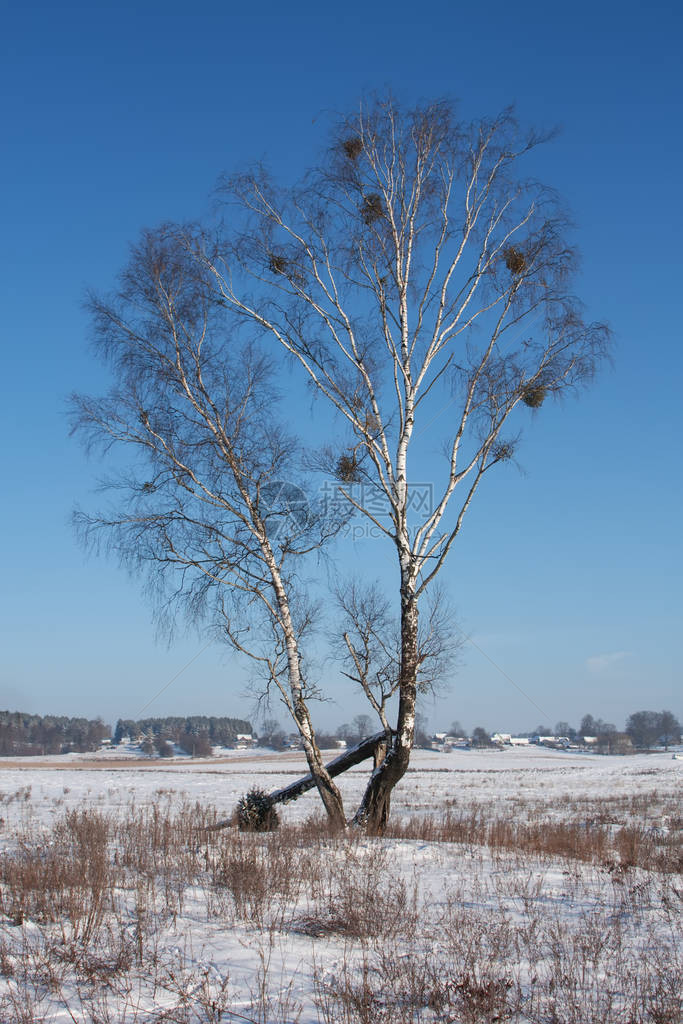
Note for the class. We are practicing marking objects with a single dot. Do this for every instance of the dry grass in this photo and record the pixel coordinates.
(616, 847)
(534, 919)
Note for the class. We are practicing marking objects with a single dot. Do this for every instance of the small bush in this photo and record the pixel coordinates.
(255, 812)
(196, 744)
(163, 747)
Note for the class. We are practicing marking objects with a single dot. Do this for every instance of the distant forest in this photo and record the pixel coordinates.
(194, 734)
(23, 734)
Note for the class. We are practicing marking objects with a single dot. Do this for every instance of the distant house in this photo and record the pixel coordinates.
(443, 742)
(438, 741)
(503, 739)
(519, 741)
(555, 742)
(244, 740)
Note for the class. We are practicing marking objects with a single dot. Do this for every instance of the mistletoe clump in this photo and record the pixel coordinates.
(353, 147)
(372, 208)
(277, 263)
(515, 260)
(346, 469)
(534, 397)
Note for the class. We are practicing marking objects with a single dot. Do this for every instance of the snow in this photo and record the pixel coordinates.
(280, 962)
(436, 781)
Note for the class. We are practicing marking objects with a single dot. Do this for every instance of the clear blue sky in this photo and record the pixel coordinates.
(116, 116)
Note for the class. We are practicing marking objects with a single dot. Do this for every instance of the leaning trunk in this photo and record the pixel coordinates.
(373, 813)
(329, 793)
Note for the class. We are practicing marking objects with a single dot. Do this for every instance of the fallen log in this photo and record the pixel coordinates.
(259, 807)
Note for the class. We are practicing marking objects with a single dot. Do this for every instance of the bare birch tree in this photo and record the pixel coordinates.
(208, 510)
(417, 265)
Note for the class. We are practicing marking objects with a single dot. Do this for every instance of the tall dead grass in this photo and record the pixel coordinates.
(591, 841)
(578, 922)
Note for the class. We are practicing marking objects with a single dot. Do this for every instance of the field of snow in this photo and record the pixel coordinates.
(552, 893)
(498, 780)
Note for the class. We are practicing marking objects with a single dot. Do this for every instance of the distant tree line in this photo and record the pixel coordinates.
(644, 730)
(653, 729)
(23, 734)
(195, 735)
(362, 726)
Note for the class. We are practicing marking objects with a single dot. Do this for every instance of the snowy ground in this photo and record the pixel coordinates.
(496, 779)
(284, 928)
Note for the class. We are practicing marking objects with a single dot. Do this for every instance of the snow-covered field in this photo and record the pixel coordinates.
(548, 890)
(495, 779)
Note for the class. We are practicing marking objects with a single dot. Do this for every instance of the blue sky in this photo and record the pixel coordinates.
(119, 116)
